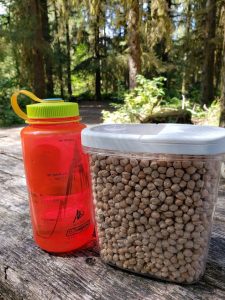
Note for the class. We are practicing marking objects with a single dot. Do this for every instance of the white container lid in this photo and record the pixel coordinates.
(156, 138)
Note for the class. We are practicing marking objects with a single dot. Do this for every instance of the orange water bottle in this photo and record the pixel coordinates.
(57, 174)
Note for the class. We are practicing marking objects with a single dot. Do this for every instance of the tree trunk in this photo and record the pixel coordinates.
(59, 52)
(218, 68)
(207, 88)
(95, 14)
(219, 48)
(169, 3)
(17, 65)
(222, 115)
(98, 62)
(164, 51)
(47, 50)
(106, 75)
(134, 60)
(14, 52)
(68, 61)
(37, 52)
(184, 88)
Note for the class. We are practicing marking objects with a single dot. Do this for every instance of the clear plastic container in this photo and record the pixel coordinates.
(154, 210)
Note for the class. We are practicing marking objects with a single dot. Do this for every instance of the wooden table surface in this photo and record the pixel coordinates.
(27, 272)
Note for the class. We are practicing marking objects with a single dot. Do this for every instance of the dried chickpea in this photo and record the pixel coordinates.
(154, 216)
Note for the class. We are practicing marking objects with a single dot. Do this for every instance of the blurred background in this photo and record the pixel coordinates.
(139, 61)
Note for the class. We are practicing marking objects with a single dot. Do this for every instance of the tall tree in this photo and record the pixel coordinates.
(13, 45)
(58, 50)
(134, 60)
(68, 61)
(95, 12)
(207, 88)
(186, 49)
(66, 15)
(27, 33)
(219, 45)
(156, 32)
(222, 115)
(37, 50)
(47, 53)
(97, 58)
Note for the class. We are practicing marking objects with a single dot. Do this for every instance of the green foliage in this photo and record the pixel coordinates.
(7, 84)
(149, 97)
(205, 116)
(173, 102)
(213, 114)
(7, 115)
(138, 103)
(171, 35)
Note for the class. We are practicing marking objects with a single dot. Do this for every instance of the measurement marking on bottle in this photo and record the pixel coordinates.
(67, 140)
(57, 174)
(78, 229)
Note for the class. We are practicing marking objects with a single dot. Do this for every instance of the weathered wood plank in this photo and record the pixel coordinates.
(27, 272)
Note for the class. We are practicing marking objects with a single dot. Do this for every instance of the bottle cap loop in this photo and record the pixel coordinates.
(47, 111)
(15, 105)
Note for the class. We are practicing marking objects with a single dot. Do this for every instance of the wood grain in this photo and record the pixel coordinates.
(27, 272)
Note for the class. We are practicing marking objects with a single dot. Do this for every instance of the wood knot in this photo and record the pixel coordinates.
(5, 271)
(90, 261)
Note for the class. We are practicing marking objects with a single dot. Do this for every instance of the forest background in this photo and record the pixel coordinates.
(146, 57)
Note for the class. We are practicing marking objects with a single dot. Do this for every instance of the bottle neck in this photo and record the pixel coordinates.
(53, 121)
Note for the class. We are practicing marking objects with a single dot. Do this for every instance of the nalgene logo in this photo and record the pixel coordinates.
(78, 228)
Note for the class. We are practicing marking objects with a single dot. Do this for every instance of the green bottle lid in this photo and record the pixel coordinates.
(52, 108)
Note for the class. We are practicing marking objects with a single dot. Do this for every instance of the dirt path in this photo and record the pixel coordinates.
(91, 112)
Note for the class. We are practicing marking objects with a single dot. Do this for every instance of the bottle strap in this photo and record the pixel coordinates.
(15, 105)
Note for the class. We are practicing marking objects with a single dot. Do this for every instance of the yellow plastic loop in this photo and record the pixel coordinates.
(15, 104)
